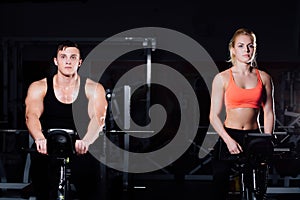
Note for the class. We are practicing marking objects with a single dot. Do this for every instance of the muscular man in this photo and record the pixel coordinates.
(49, 105)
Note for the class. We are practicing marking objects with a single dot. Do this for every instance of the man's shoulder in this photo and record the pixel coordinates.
(93, 86)
(91, 83)
(37, 89)
(39, 83)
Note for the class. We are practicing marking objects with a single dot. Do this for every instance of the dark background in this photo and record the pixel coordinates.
(31, 29)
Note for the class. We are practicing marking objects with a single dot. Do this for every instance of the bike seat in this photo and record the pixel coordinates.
(258, 148)
(60, 143)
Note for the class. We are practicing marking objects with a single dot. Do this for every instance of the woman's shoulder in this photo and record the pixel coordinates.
(222, 78)
(265, 77)
(264, 74)
(224, 74)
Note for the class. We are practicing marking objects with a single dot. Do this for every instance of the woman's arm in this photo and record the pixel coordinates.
(217, 99)
(268, 107)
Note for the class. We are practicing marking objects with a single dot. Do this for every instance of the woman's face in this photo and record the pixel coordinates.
(243, 49)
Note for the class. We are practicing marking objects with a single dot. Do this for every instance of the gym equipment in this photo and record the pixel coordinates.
(252, 165)
(60, 145)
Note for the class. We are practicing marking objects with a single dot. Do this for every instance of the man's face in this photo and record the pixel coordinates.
(68, 61)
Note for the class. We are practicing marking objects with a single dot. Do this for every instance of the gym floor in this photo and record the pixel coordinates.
(162, 189)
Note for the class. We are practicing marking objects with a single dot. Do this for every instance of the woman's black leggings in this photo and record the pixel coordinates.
(223, 162)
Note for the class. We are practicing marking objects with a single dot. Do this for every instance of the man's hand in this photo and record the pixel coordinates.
(81, 146)
(41, 146)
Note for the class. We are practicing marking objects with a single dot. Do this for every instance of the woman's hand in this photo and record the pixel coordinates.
(234, 147)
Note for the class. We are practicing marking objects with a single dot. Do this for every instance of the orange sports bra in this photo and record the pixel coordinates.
(236, 97)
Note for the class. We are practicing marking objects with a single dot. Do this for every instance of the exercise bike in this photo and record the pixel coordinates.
(253, 164)
(60, 145)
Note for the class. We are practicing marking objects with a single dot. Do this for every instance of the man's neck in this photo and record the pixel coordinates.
(66, 81)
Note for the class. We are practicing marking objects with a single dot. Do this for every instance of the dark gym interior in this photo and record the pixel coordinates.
(30, 30)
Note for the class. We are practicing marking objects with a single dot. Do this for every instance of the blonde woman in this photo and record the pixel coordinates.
(246, 92)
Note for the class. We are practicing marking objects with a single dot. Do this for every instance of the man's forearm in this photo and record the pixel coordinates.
(34, 127)
(93, 130)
